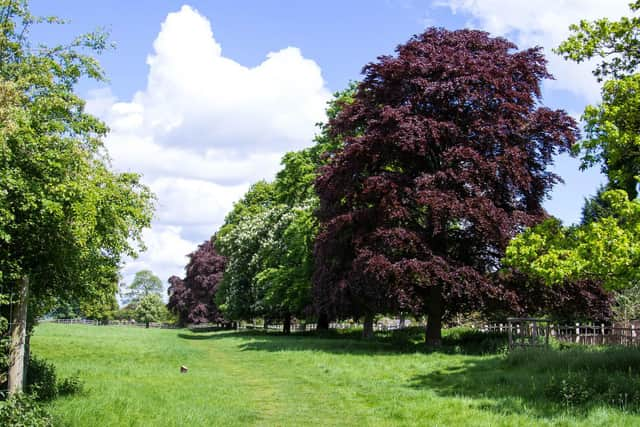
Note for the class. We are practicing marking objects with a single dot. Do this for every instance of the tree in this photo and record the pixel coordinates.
(144, 283)
(612, 127)
(604, 247)
(607, 250)
(66, 220)
(193, 298)
(150, 308)
(444, 159)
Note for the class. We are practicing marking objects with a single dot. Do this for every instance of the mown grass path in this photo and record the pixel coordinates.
(235, 379)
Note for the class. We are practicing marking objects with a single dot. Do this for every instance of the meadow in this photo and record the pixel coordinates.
(132, 378)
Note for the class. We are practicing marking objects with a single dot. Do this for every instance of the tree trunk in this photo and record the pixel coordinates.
(266, 324)
(402, 321)
(367, 330)
(147, 325)
(286, 327)
(323, 322)
(18, 330)
(434, 317)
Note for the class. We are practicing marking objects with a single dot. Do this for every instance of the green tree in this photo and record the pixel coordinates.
(613, 126)
(66, 219)
(607, 250)
(150, 308)
(144, 283)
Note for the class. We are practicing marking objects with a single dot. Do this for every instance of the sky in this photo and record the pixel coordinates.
(204, 97)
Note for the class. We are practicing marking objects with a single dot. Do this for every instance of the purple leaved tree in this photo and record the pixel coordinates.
(192, 298)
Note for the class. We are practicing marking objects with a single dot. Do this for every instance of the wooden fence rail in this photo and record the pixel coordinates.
(525, 332)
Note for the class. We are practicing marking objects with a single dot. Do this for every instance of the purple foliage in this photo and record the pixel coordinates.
(192, 298)
(444, 159)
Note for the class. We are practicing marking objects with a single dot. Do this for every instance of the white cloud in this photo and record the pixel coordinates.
(204, 128)
(544, 23)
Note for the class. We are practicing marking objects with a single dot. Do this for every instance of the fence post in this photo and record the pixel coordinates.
(578, 333)
(510, 334)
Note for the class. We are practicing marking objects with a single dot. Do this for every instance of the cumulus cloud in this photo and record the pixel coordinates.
(204, 128)
(543, 23)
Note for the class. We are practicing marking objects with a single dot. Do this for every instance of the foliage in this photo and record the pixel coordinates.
(617, 43)
(606, 250)
(627, 304)
(193, 298)
(43, 382)
(66, 220)
(41, 379)
(144, 283)
(21, 410)
(150, 308)
(444, 159)
(569, 300)
(612, 127)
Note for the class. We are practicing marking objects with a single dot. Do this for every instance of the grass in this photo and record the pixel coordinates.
(252, 378)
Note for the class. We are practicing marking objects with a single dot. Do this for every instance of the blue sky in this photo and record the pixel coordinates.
(205, 96)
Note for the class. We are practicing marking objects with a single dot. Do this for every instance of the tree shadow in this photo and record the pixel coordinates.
(409, 340)
(545, 383)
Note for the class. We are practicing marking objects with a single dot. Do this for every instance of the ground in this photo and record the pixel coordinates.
(133, 378)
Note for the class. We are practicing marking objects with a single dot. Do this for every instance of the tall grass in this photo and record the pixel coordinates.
(132, 378)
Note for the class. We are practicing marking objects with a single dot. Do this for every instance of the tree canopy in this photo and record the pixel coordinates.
(443, 160)
(66, 219)
(193, 298)
(144, 283)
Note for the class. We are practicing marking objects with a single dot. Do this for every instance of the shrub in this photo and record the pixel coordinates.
(21, 410)
(70, 385)
(41, 379)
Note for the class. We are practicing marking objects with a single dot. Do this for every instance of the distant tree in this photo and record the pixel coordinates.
(150, 308)
(444, 159)
(193, 298)
(144, 283)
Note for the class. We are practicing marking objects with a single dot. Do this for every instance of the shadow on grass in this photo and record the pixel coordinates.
(409, 340)
(544, 382)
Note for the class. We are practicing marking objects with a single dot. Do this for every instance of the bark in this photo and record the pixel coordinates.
(402, 320)
(434, 317)
(147, 324)
(18, 328)
(367, 330)
(286, 328)
(323, 322)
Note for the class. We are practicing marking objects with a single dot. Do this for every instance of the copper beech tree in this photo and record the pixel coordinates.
(444, 157)
(192, 298)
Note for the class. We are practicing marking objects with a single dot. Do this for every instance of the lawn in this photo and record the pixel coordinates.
(133, 378)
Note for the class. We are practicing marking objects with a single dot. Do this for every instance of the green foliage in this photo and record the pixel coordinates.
(41, 379)
(627, 304)
(150, 308)
(70, 385)
(612, 127)
(66, 219)
(268, 237)
(21, 410)
(144, 283)
(607, 250)
(43, 382)
(613, 134)
(616, 43)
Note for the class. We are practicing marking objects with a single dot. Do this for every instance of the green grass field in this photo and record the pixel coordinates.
(132, 378)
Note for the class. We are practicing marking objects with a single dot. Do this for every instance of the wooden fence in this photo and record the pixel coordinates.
(527, 332)
(112, 323)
